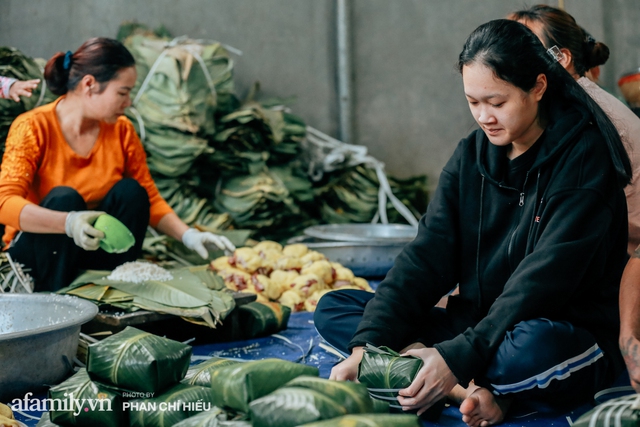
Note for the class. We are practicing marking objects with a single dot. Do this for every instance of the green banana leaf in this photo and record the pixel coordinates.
(369, 420)
(383, 368)
(200, 374)
(188, 294)
(258, 319)
(102, 407)
(352, 396)
(139, 361)
(214, 418)
(293, 406)
(236, 386)
(45, 421)
(622, 411)
(175, 405)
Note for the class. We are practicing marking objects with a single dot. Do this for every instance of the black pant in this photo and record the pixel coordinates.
(55, 260)
(539, 359)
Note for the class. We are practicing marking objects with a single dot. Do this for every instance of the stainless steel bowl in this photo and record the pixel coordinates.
(38, 340)
(379, 233)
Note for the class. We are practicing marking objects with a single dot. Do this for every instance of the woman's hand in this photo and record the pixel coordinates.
(79, 226)
(347, 370)
(433, 381)
(196, 241)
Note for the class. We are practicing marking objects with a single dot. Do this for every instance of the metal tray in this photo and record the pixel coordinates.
(365, 259)
(363, 232)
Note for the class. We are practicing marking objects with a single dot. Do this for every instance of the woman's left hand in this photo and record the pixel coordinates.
(196, 241)
(433, 381)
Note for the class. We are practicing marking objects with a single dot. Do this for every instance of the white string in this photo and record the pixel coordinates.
(140, 122)
(343, 155)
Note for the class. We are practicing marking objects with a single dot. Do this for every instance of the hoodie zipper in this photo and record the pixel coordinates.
(513, 233)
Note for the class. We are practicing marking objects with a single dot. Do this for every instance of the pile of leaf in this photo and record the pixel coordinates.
(17, 65)
(195, 293)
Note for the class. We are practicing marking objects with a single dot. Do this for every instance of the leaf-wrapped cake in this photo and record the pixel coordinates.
(138, 361)
(78, 401)
(236, 386)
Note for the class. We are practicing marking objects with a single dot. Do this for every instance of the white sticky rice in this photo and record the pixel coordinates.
(139, 272)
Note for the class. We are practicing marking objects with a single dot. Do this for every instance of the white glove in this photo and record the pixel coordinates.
(79, 226)
(195, 240)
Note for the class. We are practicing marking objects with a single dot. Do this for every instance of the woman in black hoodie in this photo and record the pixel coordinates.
(529, 219)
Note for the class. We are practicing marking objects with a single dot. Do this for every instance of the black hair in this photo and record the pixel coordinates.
(100, 57)
(561, 29)
(516, 55)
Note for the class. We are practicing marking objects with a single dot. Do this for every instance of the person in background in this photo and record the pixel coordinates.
(68, 162)
(630, 318)
(14, 89)
(529, 218)
(581, 54)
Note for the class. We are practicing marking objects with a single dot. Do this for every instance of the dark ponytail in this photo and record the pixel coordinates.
(100, 57)
(561, 29)
(516, 55)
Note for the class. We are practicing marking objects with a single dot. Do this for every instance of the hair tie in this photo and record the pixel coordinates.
(66, 64)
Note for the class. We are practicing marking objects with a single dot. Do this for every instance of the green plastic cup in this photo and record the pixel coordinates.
(117, 237)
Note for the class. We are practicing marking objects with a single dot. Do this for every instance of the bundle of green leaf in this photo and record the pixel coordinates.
(15, 64)
(369, 420)
(196, 294)
(384, 372)
(308, 399)
(200, 374)
(213, 418)
(173, 406)
(252, 137)
(180, 84)
(622, 411)
(78, 401)
(139, 361)
(351, 195)
(264, 203)
(259, 319)
(236, 386)
(45, 421)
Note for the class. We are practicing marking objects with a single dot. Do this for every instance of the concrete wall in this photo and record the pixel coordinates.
(408, 102)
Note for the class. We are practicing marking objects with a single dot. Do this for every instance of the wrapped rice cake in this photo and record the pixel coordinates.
(200, 374)
(93, 404)
(238, 385)
(139, 361)
(174, 405)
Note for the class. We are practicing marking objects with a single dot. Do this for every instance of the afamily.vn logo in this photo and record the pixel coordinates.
(67, 404)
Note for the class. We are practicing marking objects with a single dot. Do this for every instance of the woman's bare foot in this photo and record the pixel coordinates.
(481, 408)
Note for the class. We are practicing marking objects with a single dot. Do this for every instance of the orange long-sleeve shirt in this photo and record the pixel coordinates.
(37, 158)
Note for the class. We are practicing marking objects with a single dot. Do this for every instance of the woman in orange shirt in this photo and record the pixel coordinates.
(70, 161)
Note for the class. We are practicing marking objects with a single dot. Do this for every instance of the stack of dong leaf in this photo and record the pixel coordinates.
(15, 64)
(278, 393)
(132, 378)
(203, 146)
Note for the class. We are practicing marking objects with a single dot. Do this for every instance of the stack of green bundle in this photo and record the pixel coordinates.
(15, 64)
(139, 361)
(308, 399)
(253, 136)
(262, 202)
(236, 386)
(179, 83)
(351, 195)
(214, 418)
(79, 401)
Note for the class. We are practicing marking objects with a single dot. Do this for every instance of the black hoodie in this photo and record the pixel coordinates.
(540, 237)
